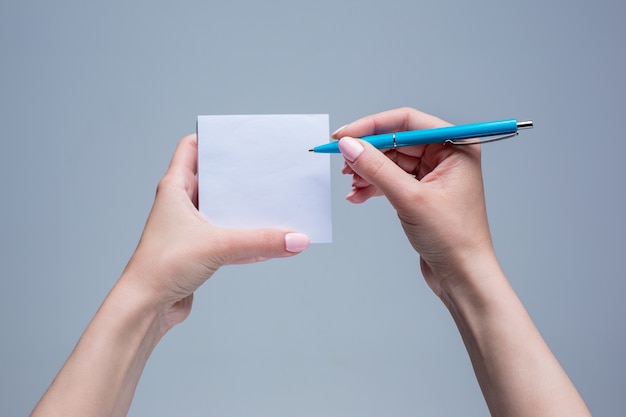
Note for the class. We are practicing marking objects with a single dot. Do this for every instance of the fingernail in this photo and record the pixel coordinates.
(350, 148)
(339, 130)
(296, 242)
(359, 182)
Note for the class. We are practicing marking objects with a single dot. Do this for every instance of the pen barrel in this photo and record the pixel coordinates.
(460, 132)
(436, 135)
(383, 141)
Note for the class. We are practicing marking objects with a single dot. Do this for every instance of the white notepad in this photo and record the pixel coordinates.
(256, 171)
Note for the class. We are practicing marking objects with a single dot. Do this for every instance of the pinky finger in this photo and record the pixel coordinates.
(361, 195)
(359, 182)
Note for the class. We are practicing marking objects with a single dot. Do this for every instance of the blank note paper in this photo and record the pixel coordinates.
(256, 171)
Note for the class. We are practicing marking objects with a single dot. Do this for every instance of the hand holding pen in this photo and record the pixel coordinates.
(441, 206)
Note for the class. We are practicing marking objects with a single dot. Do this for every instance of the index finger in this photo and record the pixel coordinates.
(396, 120)
(183, 167)
(185, 158)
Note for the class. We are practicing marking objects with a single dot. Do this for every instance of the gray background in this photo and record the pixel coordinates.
(95, 95)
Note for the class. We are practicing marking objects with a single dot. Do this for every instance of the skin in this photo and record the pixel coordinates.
(437, 192)
(178, 251)
(441, 206)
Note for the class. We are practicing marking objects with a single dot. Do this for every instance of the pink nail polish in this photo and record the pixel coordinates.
(350, 148)
(296, 242)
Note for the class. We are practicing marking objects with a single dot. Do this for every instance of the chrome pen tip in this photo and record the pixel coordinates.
(528, 124)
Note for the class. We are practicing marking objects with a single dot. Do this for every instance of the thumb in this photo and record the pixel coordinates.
(241, 246)
(377, 169)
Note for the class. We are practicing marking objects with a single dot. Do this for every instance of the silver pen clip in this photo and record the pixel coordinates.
(479, 141)
(528, 124)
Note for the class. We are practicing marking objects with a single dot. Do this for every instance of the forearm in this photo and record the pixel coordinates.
(100, 376)
(517, 372)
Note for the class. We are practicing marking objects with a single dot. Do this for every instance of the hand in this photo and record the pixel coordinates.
(441, 207)
(180, 249)
(440, 204)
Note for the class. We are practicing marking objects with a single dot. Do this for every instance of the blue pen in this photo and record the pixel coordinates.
(449, 134)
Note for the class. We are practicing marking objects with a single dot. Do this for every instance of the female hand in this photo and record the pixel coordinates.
(440, 202)
(441, 205)
(180, 249)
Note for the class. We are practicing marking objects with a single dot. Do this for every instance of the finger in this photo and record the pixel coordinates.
(362, 194)
(359, 182)
(183, 167)
(378, 170)
(390, 121)
(253, 245)
(185, 159)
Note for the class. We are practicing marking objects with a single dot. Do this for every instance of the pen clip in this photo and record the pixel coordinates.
(479, 141)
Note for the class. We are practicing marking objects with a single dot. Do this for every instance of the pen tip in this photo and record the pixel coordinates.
(528, 124)
(311, 150)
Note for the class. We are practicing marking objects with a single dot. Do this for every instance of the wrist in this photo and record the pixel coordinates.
(473, 280)
(139, 286)
(135, 307)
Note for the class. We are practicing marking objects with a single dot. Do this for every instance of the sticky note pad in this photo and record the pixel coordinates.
(256, 171)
